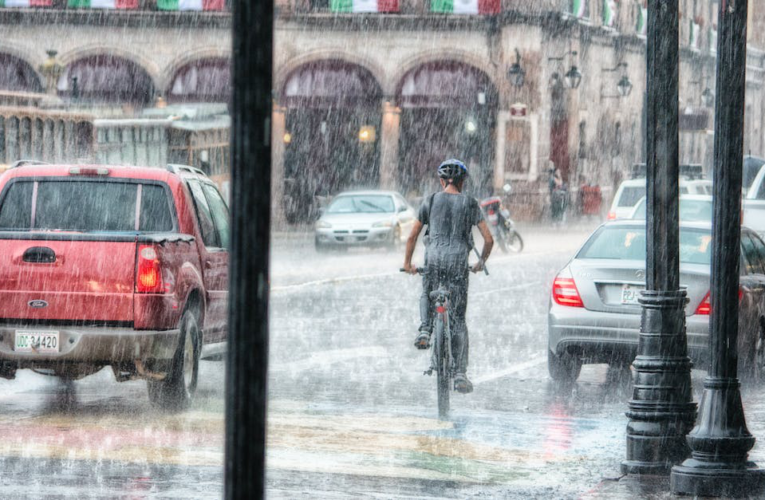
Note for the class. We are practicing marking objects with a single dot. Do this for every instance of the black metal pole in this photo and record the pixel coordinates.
(721, 441)
(251, 221)
(661, 410)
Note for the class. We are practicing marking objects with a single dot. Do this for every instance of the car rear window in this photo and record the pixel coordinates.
(631, 195)
(628, 243)
(85, 206)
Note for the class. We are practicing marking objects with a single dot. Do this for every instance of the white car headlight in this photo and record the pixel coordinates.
(383, 223)
(320, 224)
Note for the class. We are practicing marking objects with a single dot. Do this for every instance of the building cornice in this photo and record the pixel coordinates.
(115, 18)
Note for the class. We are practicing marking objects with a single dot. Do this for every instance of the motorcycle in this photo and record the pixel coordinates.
(501, 225)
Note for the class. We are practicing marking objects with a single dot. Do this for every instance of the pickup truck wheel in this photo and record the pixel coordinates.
(176, 391)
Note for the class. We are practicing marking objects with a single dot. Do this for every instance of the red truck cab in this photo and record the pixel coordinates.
(111, 265)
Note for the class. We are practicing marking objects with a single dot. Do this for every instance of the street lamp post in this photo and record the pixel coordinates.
(721, 441)
(248, 299)
(661, 410)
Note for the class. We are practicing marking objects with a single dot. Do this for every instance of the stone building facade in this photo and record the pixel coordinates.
(377, 99)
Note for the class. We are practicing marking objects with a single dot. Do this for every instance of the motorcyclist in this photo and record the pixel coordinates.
(450, 217)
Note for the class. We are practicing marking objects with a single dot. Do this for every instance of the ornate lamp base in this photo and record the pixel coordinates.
(705, 480)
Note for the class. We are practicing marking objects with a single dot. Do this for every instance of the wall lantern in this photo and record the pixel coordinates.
(471, 126)
(624, 86)
(287, 138)
(367, 134)
(708, 96)
(573, 76)
(516, 74)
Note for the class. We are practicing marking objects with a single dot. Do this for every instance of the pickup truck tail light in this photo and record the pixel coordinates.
(149, 271)
(705, 308)
(564, 290)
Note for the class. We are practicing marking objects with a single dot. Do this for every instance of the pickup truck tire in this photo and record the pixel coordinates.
(176, 390)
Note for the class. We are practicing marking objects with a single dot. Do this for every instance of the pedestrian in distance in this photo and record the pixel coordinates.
(450, 217)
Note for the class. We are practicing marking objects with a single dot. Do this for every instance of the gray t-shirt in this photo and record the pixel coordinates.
(450, 221)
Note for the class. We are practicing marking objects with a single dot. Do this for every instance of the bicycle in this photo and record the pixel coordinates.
(441, 358)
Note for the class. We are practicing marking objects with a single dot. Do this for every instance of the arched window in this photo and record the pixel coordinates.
(106, 79)
(204, 80)
(17, 75)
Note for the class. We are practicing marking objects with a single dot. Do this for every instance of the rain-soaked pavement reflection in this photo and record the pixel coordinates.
(351, 414)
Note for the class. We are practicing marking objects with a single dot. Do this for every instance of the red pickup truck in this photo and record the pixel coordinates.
(119, 266)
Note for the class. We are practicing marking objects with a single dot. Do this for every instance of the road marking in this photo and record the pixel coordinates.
(532, 363)
(325, 358)
(506, 289)
(329, 281)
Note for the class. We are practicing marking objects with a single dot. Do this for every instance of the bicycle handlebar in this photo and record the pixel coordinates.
(420, 270)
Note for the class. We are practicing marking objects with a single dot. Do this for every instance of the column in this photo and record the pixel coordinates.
(391, 129)
(278, 140)
(499, 164)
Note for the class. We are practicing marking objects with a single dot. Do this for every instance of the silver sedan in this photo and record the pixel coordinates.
(364, 218)
(594, 314)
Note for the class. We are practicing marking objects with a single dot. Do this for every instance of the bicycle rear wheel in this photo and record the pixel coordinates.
(443, 370)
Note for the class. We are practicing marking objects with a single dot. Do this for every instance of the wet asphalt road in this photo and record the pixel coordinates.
(351, 414)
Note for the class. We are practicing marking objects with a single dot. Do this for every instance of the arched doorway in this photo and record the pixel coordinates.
(105, 79)
(333, 113)
(17, 75)
(448, 111)
(203, 80)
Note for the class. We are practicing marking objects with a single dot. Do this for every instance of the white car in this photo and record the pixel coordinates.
(364, 218)
(632, 191)
(692, 208)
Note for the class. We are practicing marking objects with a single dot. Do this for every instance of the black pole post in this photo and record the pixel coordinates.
(721, 441)
(661, 410)
(251, 221)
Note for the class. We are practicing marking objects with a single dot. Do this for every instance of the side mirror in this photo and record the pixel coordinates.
(402, 208)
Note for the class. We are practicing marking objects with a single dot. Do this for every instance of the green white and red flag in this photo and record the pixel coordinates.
(191, 4)
(609, 13)
(693, 39)
(579, 8)
(486, 7)
(642, 21)
(362, 6)
(25, 3)
(102, 4)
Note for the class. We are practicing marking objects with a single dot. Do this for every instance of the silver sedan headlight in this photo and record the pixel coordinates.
(320, 224)
(383, 223)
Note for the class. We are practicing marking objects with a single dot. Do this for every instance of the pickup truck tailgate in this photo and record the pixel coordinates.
(66, 279)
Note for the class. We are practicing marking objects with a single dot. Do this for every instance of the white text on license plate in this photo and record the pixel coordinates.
(36, 341)
(630, 295)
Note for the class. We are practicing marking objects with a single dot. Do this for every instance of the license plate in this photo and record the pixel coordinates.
(493, 217)
(630, 295)
(36, 341)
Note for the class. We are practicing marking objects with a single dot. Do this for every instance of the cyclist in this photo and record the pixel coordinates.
(450, 217)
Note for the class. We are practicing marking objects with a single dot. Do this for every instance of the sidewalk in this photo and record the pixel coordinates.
(631, 487)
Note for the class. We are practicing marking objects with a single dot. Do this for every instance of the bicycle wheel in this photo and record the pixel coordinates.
(443, 370)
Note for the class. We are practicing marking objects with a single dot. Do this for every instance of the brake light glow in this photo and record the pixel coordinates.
(611, 215)
(89, 171)
(565, 293)
(705, 308)
(149, 273)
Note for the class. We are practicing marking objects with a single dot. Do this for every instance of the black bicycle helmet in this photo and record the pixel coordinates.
(452, 169)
